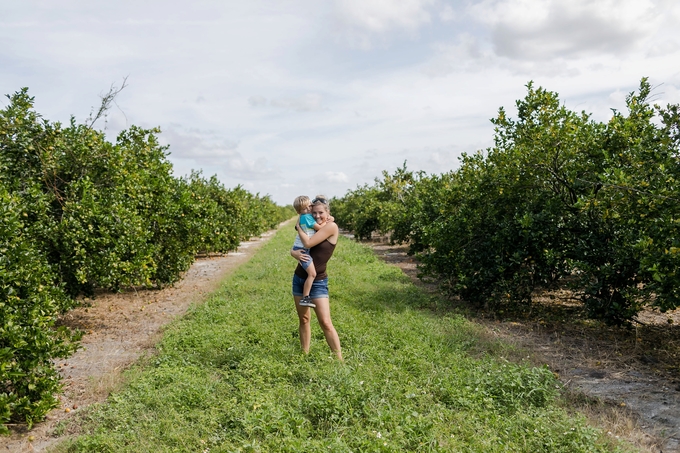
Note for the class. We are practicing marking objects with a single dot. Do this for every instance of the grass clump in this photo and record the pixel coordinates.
(230, 376)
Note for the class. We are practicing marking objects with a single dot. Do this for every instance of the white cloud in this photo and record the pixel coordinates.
(469, 54)
(466, 54)
(213, 154)
(362, 22)
(257, 101)
(540, 29)
(382, 15)
(336, 176)
(663, 48)
(560, 39)
(196, 144)
(447, 14)
(304, 103)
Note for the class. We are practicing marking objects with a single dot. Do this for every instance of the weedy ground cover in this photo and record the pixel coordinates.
(230, 377)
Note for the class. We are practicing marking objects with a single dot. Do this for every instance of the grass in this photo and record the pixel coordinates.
(230, 376)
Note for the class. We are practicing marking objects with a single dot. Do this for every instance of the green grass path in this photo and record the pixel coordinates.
(230, 377)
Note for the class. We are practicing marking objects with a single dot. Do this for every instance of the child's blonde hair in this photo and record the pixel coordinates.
(301, 203)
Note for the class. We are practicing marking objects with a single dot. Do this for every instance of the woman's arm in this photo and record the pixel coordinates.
(329, 230)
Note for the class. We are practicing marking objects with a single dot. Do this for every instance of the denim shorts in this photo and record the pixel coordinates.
(304, 264)
(319, 288)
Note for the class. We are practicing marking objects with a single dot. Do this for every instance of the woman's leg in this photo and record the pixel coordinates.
(304, 328)
(323, 314)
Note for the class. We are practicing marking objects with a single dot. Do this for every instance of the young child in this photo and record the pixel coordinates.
(303, 206)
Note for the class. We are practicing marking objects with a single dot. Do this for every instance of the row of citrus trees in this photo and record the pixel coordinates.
(560, 199)
(80, 213)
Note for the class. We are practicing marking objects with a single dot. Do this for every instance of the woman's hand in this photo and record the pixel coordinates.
(300, 231)
(299, 255)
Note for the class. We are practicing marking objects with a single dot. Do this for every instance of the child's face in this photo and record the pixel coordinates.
(306, 210)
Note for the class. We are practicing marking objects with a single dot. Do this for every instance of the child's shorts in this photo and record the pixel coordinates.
(304, 264)
(319, 287)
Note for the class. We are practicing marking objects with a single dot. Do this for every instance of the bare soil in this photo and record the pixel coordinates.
(119, 329)
(625, 380)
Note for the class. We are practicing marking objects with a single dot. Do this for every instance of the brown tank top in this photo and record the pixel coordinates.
(320, 253)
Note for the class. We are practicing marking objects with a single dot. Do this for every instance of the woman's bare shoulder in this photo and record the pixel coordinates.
(334, 231)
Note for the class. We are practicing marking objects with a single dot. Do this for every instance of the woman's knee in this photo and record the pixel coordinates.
(326, 324)
(304, 318)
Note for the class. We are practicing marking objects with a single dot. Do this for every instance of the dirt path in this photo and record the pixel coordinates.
(630, 377)
(120, 328)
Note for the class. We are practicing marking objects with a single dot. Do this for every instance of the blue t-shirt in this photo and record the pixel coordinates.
(307, 223)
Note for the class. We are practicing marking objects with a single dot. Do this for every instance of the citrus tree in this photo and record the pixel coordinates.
(560, 199)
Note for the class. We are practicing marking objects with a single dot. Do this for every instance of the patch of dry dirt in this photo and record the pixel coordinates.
(627, 380)
(120, 328)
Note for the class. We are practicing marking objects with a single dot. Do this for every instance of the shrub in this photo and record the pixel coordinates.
(30, 300)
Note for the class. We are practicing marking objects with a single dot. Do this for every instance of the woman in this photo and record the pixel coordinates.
(321, 245)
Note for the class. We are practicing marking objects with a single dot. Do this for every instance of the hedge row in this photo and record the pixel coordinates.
(81, 213)
(559, 200)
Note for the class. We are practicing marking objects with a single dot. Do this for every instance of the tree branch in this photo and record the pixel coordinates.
(106, 101)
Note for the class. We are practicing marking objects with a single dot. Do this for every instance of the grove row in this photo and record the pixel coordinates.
(79, 213)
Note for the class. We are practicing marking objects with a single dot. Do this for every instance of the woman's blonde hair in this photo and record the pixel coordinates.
(322, 200)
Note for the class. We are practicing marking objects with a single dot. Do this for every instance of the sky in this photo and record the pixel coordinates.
(306, 97)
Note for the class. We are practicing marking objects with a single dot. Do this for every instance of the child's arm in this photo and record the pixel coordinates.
(318, 226)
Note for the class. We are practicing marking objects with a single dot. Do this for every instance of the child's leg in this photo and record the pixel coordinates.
(311, 275)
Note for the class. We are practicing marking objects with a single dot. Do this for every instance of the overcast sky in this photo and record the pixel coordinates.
(290, 97)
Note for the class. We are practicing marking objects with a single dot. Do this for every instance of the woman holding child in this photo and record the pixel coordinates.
(321, 246)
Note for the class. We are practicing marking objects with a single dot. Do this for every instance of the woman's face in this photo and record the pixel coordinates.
(319, 213)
